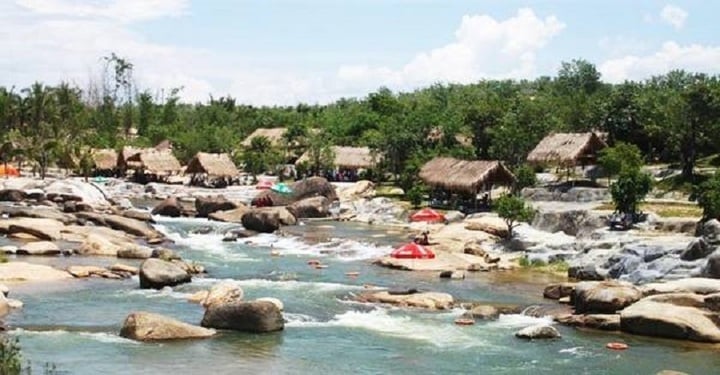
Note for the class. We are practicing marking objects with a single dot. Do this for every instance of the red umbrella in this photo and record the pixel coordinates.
(429, 215)
(264, 185)
(412, 251)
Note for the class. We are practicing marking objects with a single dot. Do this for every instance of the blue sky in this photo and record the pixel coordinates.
(287, 51)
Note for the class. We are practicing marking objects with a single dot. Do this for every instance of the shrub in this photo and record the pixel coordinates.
(525, 176)
(622, 156)
(708, 197)
(415, 195)
(513, 211)
(629, 190)
(10, 357)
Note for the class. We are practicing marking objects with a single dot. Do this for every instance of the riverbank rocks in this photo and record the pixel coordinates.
(45, 248)
(655, 317)
(157, 274)
(604, 322)
(425, 300)
(205, 206)
(124, 269)
(169, 207)
(712, 266)
(223, 292)
(698, 248)
(230, 216)
(135, 252)
(255, 316)
(604, 297)
(585, 272)
(313, 207)
(492, 312)
(267, 219)
(87, 271)
(305, 188)
(541, 331)
(138, 215)
(12, 195)
(145, 326)
(558, 290)
(27, 272)
(698, 285)
(279, 304)
(488, 224)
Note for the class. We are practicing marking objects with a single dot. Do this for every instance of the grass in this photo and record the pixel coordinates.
(679, 183)
(669, 209)
(558, 267)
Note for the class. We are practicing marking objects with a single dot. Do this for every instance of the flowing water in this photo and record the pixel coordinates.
(75, 325)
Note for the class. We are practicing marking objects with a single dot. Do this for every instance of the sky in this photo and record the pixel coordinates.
(283, 52)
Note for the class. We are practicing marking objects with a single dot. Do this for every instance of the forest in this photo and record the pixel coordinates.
(672, 118)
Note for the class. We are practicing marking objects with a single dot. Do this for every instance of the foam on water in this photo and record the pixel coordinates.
(339, 249)
(519, 321)
(103, 337)
(210, 243)
(438, 332)
(165, 292)
(309, 286)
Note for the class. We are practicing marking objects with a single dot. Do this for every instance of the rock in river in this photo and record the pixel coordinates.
(169, 207)
(541, 331)
(205, 206)
(39, 248)
(255, 316)
(157, 274)
(604, 297)
(144, 326)
(652, 317)
(224, 292)
(267, 219)
(310, 207)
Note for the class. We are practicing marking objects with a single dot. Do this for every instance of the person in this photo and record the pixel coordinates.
(424, 239)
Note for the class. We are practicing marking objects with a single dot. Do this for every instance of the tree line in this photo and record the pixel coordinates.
(671, 118)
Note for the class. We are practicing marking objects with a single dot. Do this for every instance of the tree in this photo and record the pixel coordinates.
(513, 211)
(708, 197)
(320, 154)
(620, 157)
(525, 177)
(629, 190)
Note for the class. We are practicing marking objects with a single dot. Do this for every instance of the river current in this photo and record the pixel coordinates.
(74, 325)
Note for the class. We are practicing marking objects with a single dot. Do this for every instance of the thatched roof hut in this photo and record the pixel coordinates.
(275, 135)
(124, 156)
(567, 149)
(104, 159)
(164, 145)
(155, 162)
(216, 165)
(466, 176)
(348, 157)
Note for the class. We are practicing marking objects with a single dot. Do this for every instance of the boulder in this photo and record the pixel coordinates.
(712, 302)
(44, 229)
(305, 188)
(95, 244)
(586, 272)
(124, 268)
(604, 297)
(12, 195)
(169, 207)
(454, 216)
(77, 190)
(198, 297)
(85, 271)
(204, 206)
(135, 252)
(710, 231)
(455, 275)
(224, 292)
(144, 326)
(697, 285)
(191, 268)
(712, 266)
(21, 271)
(488, 224)
(653, 318)
(39, 248)
(165, 254)
(157, 274)
(425, 300)
(540, 331)
(267, 219)
(230, 216)
(360, 189)
(604, 322)
(485, 312)
(274, 301)
(312, 207)
(474, 249)
(4, 290)
(4, 306)
(37, 212)
(558, 290)
(698, 248)
(235, 234)
(138, 215)
(132, 226)
(255, 316)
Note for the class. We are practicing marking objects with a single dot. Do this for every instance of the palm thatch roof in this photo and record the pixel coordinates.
(275, 135)
(467, 176)
(216, 165)
(104, 159)
(348, 157)
(155, 162)
(567, 149)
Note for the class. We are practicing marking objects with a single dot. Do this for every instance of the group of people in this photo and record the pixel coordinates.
(422, 239)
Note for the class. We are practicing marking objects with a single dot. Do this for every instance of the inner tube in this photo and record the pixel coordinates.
(320, 266)
(352, 274)
(616, 346)
(464, 321)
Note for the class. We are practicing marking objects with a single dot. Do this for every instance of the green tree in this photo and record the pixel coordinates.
(620, 157)
(513, 210)
(525, 177)
(708, 197)
(629, 190)
(320, 154)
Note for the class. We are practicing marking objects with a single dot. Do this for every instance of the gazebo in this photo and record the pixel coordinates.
(152, 165)
(466, 178)
(347, 159)
(274, 135)
(217, 169)
(567, 150)
(104, 161)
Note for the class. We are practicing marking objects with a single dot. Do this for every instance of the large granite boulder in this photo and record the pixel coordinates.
(77, 190)
(604, 322)
(124, 224)
(313, 207)
(712, 266)
(541, 331)
(255, 316)
(138, 215)
(38, 212)
(169, 207)
(230, 216)
(306, 188)
(145, 326)
(12, 195)
(39, 248)
(224, 292)
(585, 272)
(656, 318)
(698, 248)
(425, 300)
(21, 271)
(267, 219)
(157, 274)
(697, 285)
(204, 206)
(604, 297)
(710, 231)
(558, 290)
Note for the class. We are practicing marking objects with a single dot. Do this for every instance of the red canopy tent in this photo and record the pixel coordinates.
(412, 251)
(8, 171)
(264, 185)
(429, 215)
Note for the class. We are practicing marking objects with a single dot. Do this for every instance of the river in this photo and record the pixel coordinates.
(74, 325)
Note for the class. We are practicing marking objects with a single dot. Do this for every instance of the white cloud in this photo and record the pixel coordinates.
(694, 57)
(483, 48)
(121, 10)
(674, 16)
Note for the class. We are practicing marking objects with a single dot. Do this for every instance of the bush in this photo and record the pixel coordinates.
(629, 190)
(708, 197)
(525, 176)
(10, 357)
(415, 196)
(513, 211)
(622, 156)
